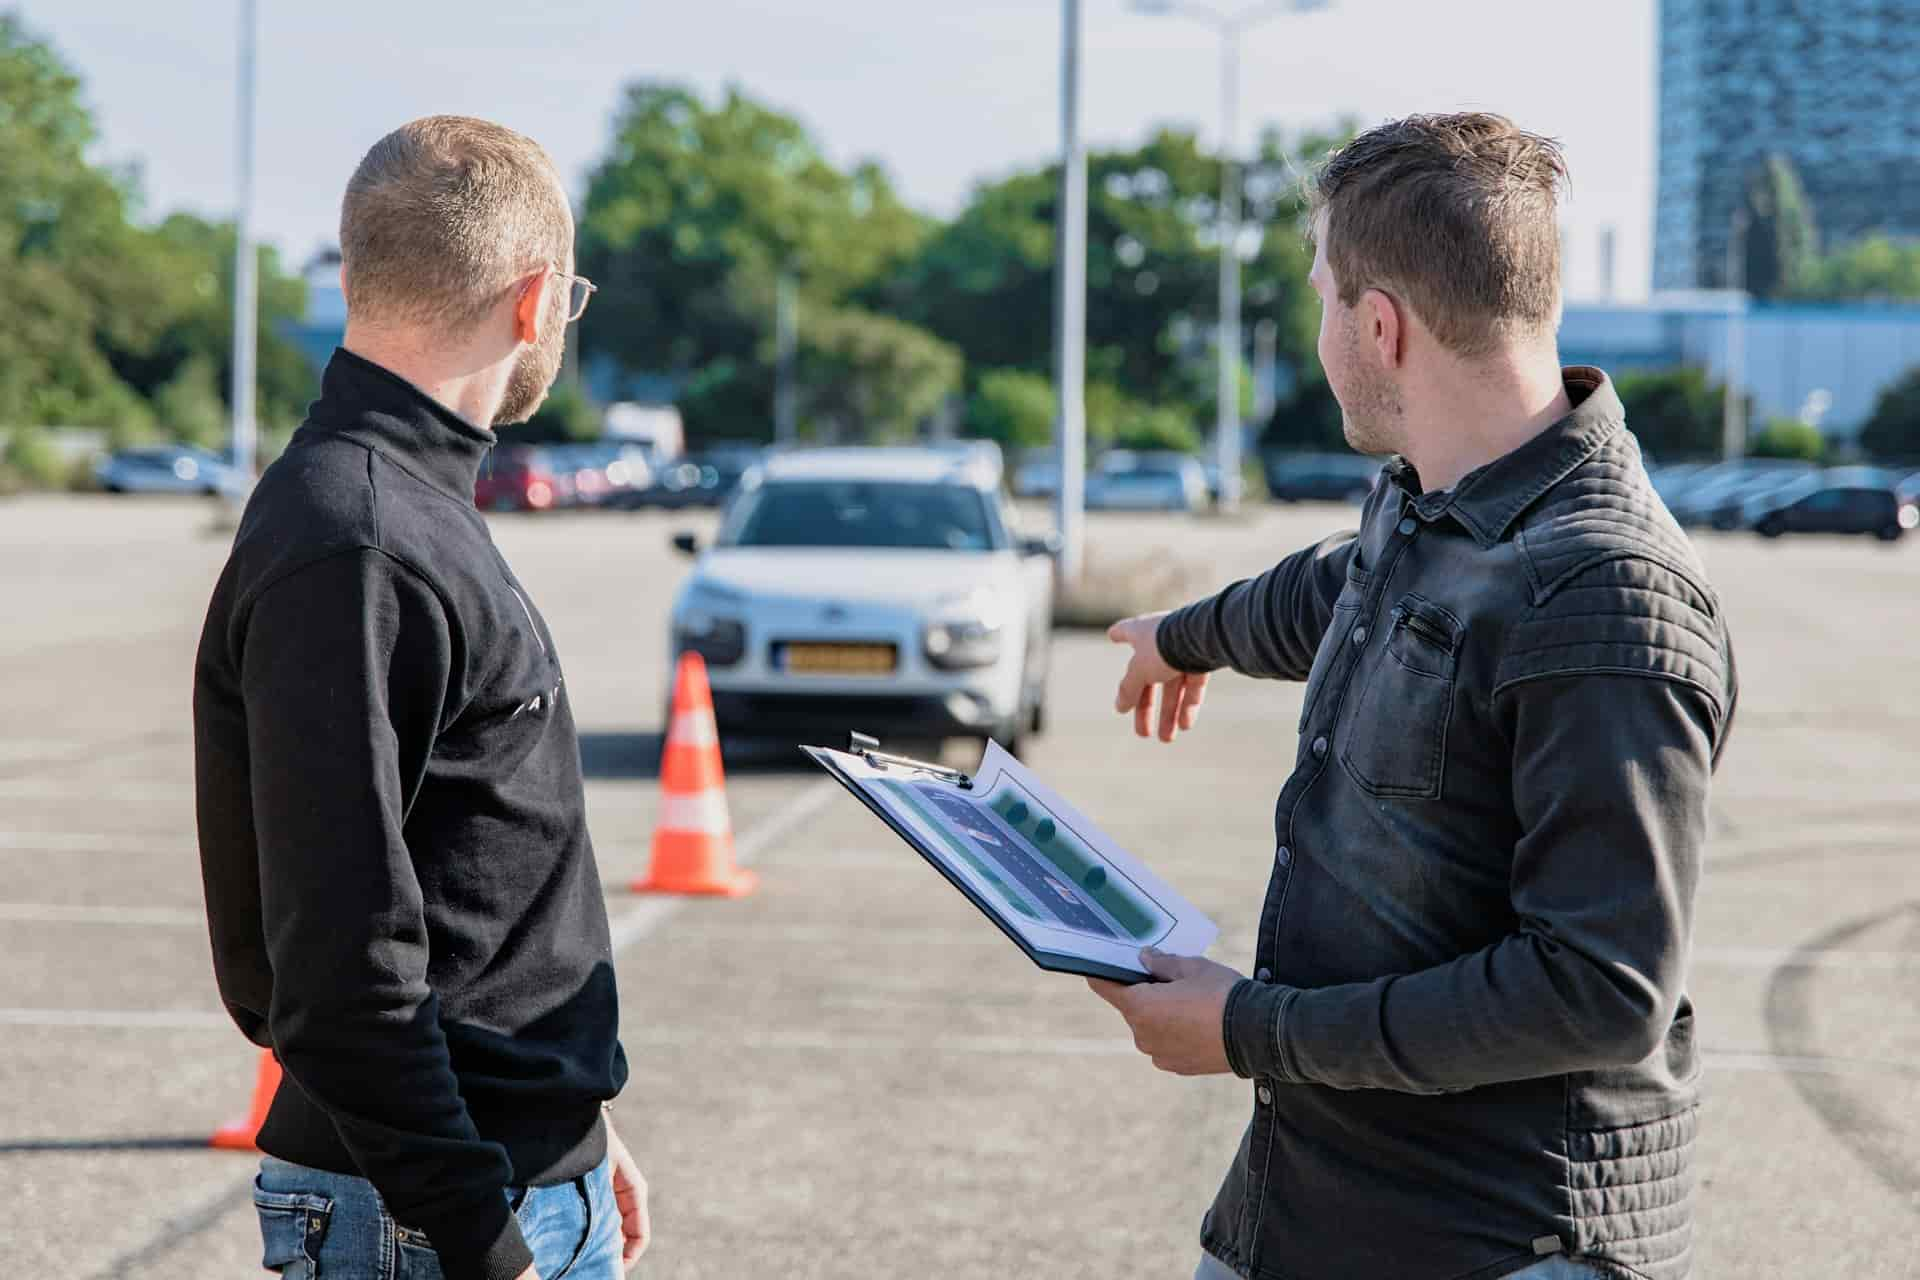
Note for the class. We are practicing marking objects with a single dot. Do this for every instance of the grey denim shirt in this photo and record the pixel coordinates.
(1469, 1030)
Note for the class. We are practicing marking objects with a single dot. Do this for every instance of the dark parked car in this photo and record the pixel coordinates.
(1825, 507)
(521, 478)
(1320, 477)
(705, 479)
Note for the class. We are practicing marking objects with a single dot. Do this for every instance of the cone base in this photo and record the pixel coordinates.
(237, 1139)
(736, 884)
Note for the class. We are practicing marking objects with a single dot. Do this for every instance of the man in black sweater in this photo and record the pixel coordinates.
(400, 887)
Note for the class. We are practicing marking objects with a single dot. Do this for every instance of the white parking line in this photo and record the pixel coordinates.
(112, 1018)
(91, 842)
(54, 913)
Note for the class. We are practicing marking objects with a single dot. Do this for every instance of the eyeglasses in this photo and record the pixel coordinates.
(580, 292)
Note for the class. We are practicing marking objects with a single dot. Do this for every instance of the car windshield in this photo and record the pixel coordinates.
(863, 513)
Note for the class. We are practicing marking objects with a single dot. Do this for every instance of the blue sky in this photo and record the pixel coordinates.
(943, 94)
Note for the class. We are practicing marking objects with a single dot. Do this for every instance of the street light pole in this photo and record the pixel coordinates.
(1227, 340)
(1227, 386)
(1070, 312)
(246, 309)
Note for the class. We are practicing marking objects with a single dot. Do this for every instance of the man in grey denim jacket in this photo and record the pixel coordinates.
(1469, 1037)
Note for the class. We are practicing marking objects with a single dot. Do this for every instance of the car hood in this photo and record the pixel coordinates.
(862, 574)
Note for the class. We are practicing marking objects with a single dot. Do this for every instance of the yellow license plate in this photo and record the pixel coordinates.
(842, 659)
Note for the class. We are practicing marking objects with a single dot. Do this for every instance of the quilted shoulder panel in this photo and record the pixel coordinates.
(1624, 615)
(1605, 508)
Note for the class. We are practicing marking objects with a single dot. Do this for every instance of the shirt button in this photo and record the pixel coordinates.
(1265, 1095)
(1320, 748)
(1263, 975)
(1407, 527)
(1359, 636)
(1284, 856)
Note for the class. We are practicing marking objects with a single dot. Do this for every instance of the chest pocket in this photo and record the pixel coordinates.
(1396, 743)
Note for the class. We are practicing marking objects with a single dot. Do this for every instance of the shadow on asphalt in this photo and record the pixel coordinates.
(182, 1143)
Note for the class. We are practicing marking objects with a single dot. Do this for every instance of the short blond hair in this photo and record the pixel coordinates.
(1458, 214)
(444, 216)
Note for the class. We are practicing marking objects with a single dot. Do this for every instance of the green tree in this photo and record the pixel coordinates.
(1676, 413)
(1013, 407)
(103, 312)
(1782, 243)
(1789, 438)
(188, 405)
(985, 281)
(689, 221)
(1892, 431)
(865, 376)
(1874, 269)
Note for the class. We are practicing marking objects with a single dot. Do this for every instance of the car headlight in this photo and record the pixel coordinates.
(966, 631)
(707, 625)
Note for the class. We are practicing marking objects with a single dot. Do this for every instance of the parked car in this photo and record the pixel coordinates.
(1721, 484)
(1126, 480)
(1320, 477)
(1726, 508)
(1037, 476)
(704, 479)
(521, 478)
(1843, 500)
(1672, 482)
(169, 469)
(872, 589)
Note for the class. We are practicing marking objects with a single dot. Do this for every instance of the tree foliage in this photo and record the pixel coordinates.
(1014, 407)
(1876, 269)
(1893, 430)
(1782, 243)
(689, 221)
(112, 323)
(1676, 413)
(1789, 438)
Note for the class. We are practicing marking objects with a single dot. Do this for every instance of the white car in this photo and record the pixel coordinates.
(878, 590)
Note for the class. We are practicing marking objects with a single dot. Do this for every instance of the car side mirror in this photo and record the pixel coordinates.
(1050, 544)
(686, 544)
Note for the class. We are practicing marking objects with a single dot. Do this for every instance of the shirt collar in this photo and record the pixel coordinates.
(383, 411)
(1487, 500)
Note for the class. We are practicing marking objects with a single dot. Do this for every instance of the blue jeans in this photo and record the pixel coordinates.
(335, 1227)
(1554, 1268)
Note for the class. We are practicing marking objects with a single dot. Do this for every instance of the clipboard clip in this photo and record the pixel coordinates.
(868, 749)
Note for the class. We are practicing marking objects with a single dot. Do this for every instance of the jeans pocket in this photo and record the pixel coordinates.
(292, 1227)
(1397, 738)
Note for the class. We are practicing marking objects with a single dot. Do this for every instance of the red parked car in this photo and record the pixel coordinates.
(519, 479)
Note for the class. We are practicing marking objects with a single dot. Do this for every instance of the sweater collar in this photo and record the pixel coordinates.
(383, 411)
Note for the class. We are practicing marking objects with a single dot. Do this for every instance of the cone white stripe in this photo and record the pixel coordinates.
(693, 729)
(703, 811)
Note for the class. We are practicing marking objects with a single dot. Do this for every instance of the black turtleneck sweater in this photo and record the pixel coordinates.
(401, 892)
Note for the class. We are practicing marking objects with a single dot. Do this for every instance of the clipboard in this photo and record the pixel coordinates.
(1057, 886)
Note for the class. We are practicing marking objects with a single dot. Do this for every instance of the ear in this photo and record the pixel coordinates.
(529, 308)
(1385, 326)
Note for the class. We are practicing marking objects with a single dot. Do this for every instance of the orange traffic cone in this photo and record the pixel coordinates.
(693, 840)
(240, 1137)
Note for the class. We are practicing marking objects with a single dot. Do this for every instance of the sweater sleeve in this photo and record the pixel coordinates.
(345, 667)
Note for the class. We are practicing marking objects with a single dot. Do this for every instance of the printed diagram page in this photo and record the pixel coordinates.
(1050, 878)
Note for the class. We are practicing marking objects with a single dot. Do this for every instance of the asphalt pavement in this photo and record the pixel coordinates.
(848, 1074)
